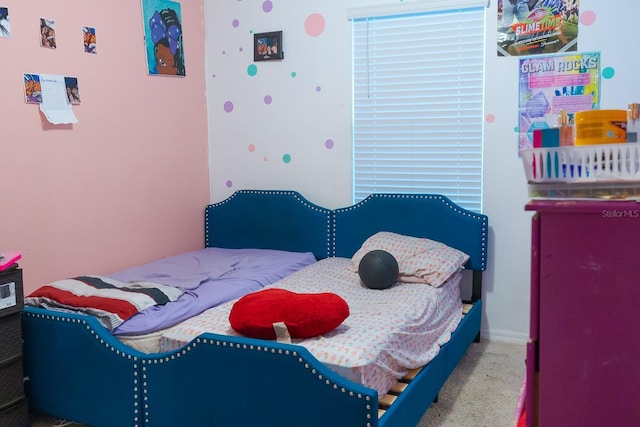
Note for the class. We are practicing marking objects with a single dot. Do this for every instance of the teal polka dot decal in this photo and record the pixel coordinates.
(252, 70)
(286, 158)
(608, 73)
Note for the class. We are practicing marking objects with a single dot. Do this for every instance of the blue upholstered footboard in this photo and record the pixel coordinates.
(78, 371)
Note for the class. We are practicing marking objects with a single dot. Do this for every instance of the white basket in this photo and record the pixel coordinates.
(601, 163)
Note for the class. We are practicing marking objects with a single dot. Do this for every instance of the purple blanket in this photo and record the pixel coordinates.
(209, 277)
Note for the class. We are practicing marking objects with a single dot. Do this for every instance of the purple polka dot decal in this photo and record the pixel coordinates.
(268, 100)
(267, 6)
(329, 144)
(228, 106)
(318, 88)
(235, 23)
(229, 184)
(314, 25)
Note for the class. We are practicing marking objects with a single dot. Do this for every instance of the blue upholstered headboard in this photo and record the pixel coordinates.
(286, 220)
(421, 215)
(268, 220)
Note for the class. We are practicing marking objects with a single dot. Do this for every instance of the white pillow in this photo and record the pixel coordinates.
(420, 260)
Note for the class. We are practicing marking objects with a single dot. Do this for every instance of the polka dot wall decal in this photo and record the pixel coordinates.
(240, 49)
(252, 70)
(267, 6)
(314, 24)
(588, 17)
(516, 129)
(608, 73)
(286, 158)
(318, 88)
(252, 148)
(328, 144)
(235, 23)
(229, 183)
(228, 106)
(293, 74)
(491, 118)
(268, 100)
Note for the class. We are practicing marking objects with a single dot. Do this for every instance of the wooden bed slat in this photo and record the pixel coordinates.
(466, 308)
(411, 374)
(386, 400)
(398, 388)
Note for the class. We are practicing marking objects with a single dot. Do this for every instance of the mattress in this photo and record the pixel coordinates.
(386, 333)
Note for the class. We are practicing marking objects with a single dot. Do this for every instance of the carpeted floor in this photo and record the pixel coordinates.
(483, 390)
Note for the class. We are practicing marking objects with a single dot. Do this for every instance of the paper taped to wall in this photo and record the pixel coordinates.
(55, 105)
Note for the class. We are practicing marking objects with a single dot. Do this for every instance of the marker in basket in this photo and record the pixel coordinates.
(633, 115)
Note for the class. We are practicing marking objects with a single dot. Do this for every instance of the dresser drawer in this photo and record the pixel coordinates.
(10, 336)
(15, 415)
(11, 380)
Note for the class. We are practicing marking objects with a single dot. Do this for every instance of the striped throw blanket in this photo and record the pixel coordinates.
(112, 302)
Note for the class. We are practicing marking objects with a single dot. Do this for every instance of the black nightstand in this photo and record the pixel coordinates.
(13, 403)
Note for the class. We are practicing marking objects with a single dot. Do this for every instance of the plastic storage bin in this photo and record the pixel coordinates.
(589, 171)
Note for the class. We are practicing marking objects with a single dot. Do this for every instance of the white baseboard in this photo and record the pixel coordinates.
(504, 336)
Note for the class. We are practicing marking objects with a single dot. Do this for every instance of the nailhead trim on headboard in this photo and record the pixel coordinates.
(294, 194)
(331, 220)
(444, 200)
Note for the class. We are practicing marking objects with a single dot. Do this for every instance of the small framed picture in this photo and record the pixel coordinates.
(267, 46)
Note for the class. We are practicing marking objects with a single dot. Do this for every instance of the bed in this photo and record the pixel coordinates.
(78, 370)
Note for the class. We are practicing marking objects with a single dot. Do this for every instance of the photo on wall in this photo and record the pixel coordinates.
(32, 89)
(73, 92)
(162, 21)
(5, 26)
(89, 39)
(48, 33)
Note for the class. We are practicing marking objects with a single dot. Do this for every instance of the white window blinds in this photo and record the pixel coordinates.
(418, 104)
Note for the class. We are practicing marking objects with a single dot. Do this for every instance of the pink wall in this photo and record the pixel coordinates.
(127, 183)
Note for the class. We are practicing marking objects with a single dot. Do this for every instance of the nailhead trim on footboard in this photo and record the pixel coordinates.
(261, 348)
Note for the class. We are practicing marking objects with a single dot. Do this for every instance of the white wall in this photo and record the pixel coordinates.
(247, 145)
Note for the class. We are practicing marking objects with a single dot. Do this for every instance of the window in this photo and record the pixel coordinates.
(418, 85)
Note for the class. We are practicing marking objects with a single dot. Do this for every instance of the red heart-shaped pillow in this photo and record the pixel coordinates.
(305, 315)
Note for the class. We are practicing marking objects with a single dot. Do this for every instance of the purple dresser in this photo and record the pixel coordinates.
(583, 357)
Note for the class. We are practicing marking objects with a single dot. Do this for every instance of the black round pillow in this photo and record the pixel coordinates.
(378, 269)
